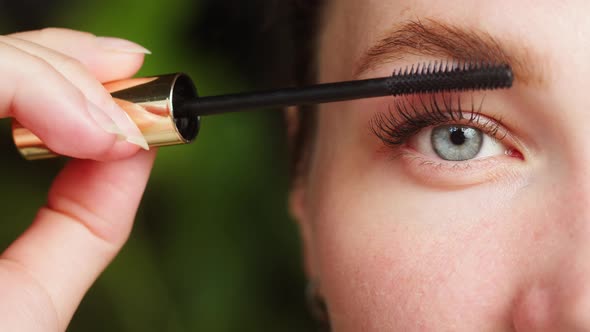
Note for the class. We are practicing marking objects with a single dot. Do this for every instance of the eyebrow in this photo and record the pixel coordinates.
(429, 37)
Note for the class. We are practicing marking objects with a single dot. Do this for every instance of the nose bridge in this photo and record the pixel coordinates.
(565, 191)
(570, 214)
(573, 208)
(567, 172)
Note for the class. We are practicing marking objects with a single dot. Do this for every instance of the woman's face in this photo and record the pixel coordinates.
(481, 220)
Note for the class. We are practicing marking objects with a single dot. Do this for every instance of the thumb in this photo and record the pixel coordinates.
(90, 210)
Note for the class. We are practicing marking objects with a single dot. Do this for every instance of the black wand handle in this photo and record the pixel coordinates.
(419, 79)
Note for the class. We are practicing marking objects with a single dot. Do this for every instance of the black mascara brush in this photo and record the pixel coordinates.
(167, 109)
(417, 79)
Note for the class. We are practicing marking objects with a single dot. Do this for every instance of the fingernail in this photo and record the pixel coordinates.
(132, 132)
(121, 45)
(119, 123)
(104, 121)
(140, 141)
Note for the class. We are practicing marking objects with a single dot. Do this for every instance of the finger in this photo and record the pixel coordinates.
(73, 70)
(89, 215)
(44, 101)
(108, 59)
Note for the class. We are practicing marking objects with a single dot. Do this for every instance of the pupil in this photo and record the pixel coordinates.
(458, 136)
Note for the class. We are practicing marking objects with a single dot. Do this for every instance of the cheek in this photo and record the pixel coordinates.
(393, 256)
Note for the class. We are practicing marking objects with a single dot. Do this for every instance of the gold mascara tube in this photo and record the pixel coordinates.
(149, 101)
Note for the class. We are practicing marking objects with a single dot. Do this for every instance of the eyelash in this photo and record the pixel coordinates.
(438, 109)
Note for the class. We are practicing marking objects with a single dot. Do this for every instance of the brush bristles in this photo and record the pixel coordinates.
(450, 77)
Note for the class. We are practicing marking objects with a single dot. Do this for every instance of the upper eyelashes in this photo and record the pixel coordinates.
(407, 116)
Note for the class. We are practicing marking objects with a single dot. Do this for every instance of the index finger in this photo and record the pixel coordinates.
(107, 58)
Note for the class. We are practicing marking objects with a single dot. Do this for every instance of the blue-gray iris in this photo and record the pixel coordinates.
(456, 143)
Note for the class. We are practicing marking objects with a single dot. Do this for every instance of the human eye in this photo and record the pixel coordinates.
(441, 139)
(456, 142)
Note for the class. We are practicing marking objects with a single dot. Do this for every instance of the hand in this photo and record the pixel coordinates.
(50, 83)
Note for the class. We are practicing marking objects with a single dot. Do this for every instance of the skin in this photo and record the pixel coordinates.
(91, 205)
(396, 244)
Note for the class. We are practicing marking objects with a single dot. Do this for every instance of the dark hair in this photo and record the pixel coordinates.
(306, 32)
(276, 35)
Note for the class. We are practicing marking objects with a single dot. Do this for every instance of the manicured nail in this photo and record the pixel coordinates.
(121, 45)
(104, 121)
(119, 123)
(140, 141)
(132, 132)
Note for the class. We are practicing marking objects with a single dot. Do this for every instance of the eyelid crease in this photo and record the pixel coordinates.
(415, 114)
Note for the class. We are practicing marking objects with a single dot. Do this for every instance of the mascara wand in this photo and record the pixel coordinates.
(167, 108)
(417, 79)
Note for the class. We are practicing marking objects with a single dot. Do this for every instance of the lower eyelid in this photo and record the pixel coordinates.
(460, 174)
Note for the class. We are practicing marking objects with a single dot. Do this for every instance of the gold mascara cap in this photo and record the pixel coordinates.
(149, 101)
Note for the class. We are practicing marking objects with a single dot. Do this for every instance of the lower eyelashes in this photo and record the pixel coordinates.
(456, 175)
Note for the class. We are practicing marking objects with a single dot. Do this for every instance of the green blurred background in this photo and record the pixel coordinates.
(213, 248)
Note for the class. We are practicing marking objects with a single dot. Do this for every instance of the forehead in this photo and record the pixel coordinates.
(556, 30)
